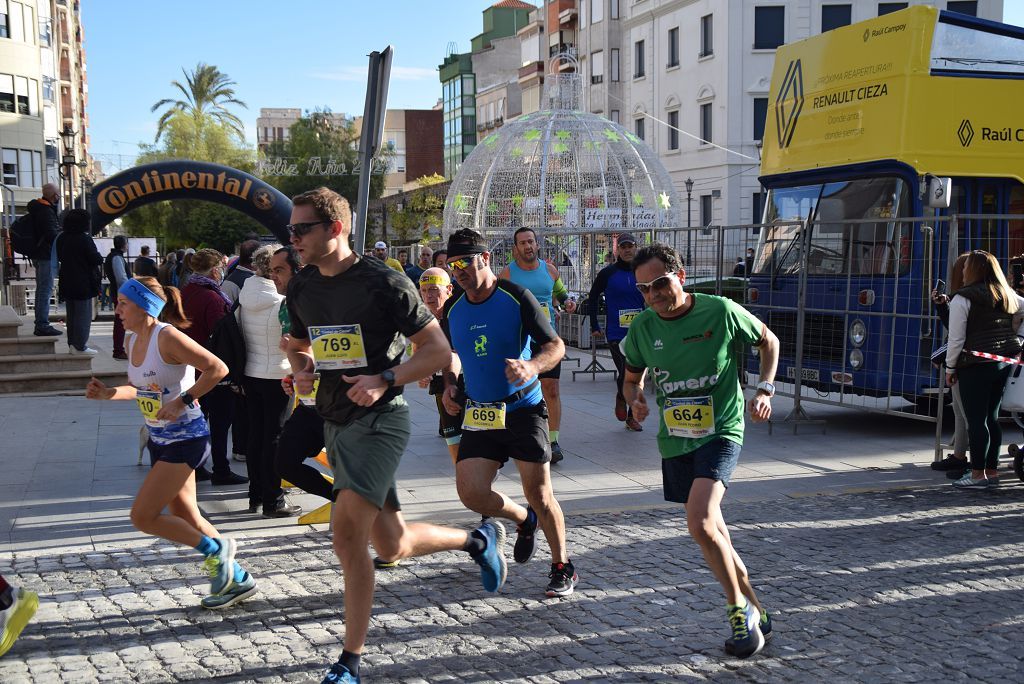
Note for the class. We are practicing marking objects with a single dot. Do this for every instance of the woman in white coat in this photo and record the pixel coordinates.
(265, 366)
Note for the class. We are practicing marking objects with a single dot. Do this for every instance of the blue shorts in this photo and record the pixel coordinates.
(192, 452)
(715, 460)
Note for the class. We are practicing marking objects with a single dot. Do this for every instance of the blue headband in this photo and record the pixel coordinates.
(143, 297)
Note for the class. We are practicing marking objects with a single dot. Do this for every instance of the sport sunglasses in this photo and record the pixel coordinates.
(659, 283)
(300, 229)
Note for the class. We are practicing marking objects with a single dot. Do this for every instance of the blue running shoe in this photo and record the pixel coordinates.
(220, 567)
(493, 569)
(239, 591)
(746, 631)
(339, 674)
(765, 624)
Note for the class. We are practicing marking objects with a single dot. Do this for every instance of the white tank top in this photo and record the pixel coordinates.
(156, 382)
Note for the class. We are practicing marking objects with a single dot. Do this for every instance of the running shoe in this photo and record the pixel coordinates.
(765, 624)
(968, 481)
(220, 567)
(526, 538)
(556, 453)
(620, 408)
(563, 579)
(633, 425)
(238, 592)
(747, 638)
(339, 674)
(14, 618)
(493, 568)
(381, 564)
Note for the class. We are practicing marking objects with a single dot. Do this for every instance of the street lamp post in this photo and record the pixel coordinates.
(689, 190)
(68, 162)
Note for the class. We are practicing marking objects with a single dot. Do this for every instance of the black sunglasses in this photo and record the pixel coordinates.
(300, 229)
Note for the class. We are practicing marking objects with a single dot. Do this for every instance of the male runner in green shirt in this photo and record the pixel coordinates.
(689, 343)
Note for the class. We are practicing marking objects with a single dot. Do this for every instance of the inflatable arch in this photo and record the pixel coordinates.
(183, 179)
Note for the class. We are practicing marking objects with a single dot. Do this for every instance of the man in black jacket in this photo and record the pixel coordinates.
(144, 264)
(115, 268)
(44, 228)
(79, 278)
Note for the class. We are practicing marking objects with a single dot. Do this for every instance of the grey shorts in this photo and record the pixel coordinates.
(364, 454)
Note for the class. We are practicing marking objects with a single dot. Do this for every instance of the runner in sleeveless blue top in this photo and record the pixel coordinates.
(490, 326)
(162, 362)
(623, 302)
(542, 280)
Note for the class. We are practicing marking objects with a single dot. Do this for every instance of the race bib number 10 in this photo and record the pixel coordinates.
(690, 417)
(337, 347)
(150, 403)
(481, 416)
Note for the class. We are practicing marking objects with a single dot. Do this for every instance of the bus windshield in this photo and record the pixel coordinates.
(837, 248)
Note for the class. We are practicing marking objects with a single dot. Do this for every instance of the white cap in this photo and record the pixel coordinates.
(380, 245)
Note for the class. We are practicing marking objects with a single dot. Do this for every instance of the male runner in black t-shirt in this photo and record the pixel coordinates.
(348, 318)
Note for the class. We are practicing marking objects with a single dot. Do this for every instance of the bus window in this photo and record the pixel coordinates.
(1016, 206)
(837, 247)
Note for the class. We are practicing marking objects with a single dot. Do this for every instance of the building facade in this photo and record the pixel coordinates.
(691, 78)
(412, 139)
(43, 96)
(273, 124)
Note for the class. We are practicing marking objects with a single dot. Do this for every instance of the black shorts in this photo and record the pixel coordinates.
(192, 452)
(715, 460)
(451, 426)
(553, 374)
(525, 438)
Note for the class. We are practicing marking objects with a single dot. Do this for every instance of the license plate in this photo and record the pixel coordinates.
(805, 374)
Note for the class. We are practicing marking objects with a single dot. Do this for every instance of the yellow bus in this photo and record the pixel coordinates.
(860, 119)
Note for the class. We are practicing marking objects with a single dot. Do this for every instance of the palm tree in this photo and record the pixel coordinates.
(207, 93)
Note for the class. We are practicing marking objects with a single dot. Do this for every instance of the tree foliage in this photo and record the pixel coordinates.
(320, 151)
(207, 93)
(423, 210)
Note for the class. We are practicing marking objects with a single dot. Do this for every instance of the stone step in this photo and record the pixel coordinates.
(56, 383)
(50, 363)
(9, 322)
(27, 344)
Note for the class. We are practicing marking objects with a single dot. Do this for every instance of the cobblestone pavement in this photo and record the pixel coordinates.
(924, 584)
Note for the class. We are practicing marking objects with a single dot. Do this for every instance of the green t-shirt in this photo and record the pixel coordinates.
(282, 316)
(695, 358)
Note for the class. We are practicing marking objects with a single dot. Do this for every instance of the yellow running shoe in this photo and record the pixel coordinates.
(15, 617)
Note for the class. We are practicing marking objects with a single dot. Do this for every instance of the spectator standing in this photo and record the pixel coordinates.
(205, 304)
(380, 250)
(265, 367)
(80, 280)
(115, 268)
(956, 463)
(165, 274)
(144, 264)
(981, 320)
(739, 270)
(242, 270)
(414, 271)
(44, 229)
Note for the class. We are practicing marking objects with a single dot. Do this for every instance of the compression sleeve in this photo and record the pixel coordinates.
(559, 292)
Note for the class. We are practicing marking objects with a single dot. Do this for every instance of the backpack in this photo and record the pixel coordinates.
(227, 344)
(23, 236)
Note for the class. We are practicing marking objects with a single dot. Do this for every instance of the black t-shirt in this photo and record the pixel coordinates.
(381, 300)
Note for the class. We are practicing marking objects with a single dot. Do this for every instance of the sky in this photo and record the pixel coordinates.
(303, 53)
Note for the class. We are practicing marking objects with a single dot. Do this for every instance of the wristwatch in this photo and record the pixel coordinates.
(388, 376)
(187, 398)
(766, 387)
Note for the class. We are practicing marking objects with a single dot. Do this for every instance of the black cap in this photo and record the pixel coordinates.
(625, 237)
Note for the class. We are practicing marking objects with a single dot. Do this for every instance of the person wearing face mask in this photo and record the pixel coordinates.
(205, 304)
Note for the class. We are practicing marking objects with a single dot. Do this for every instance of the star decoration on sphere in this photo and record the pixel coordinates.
(591, 145)
(638, 199)
(532, 135)
(516, 152)
(491, 139)
(461, 202)
(517, 200)
(560, 201)
(559, 148)
(563, 135)
(663, 201)
(611, 135)
(492, 207)
(632, 138)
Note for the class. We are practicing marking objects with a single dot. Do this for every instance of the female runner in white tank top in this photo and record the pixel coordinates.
(162, 362)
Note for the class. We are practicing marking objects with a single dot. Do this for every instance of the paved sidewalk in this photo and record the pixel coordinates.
(879, 571)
